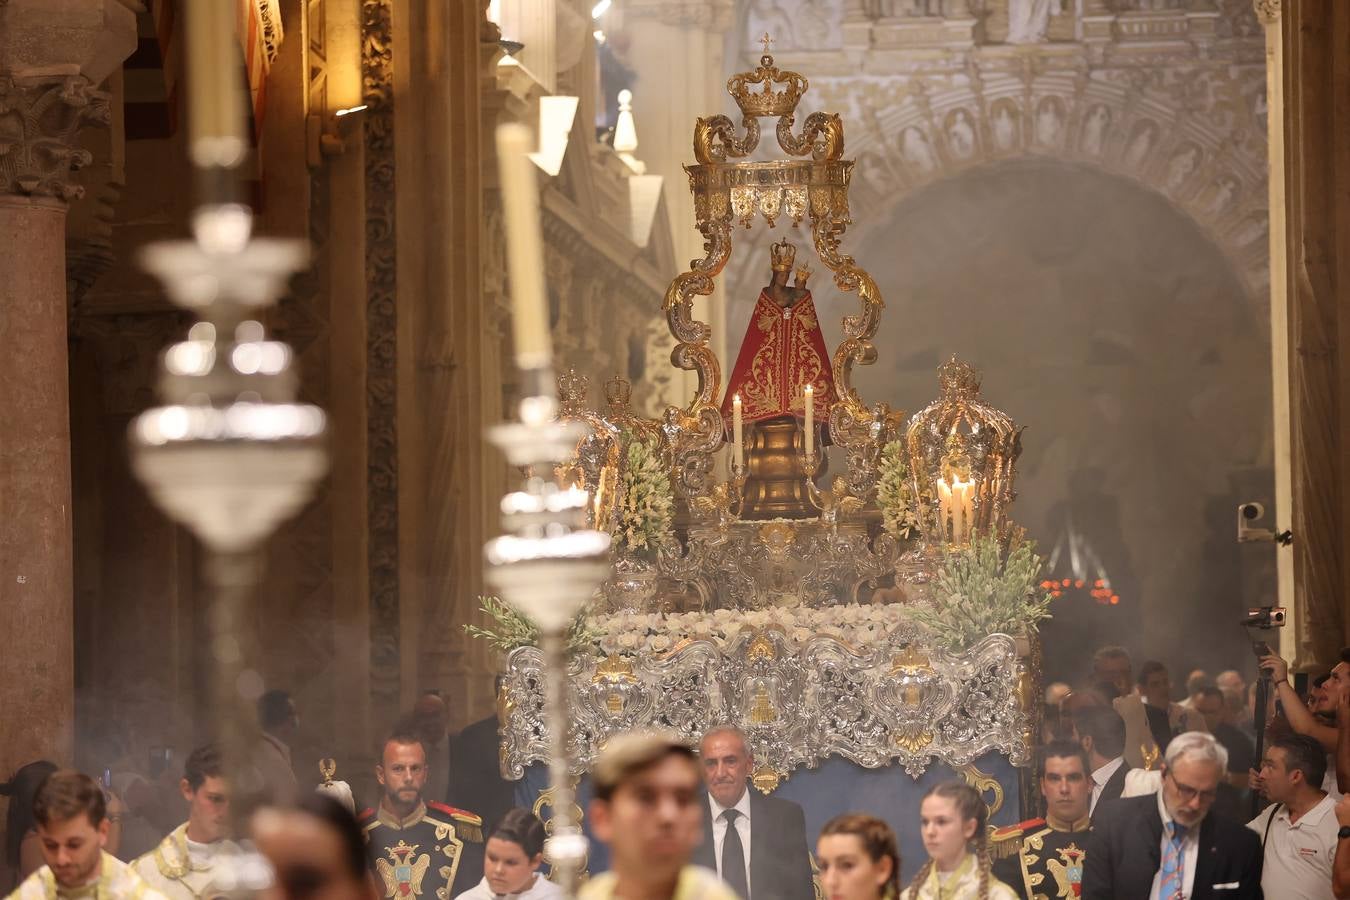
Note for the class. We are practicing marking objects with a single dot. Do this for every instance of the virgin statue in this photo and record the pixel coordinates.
(783, 350)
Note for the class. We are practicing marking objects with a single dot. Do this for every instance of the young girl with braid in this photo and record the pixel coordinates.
(858, 859)
(952, 821)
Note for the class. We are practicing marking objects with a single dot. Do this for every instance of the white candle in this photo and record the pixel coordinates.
(215, 107)
(736, 448)
(810, 392)
(944, 507)
(524, 247)
(965, 492)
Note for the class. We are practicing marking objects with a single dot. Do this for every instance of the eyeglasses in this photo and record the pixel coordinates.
(1189, 793)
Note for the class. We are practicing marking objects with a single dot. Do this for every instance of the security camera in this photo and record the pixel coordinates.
(1248, 515)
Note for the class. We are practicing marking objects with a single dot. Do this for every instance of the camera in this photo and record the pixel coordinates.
(1247, 532)
(1264, 617)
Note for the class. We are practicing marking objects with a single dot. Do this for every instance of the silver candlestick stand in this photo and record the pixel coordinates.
(548, 566)
(229, 453)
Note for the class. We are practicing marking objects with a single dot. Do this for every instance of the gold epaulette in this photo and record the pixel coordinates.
(467, 825)
(1007, 841)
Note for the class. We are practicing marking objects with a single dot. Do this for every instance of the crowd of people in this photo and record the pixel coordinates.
(1143, 797)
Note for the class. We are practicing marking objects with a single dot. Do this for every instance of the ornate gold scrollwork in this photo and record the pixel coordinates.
(985, 784)
(727, 192)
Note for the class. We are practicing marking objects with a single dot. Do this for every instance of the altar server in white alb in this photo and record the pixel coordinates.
(187, 862)
(72, 825)
(511, 860)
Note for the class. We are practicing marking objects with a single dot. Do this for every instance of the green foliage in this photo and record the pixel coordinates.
(512, 630)
(978, 592)
(646, 504)
(894, 494)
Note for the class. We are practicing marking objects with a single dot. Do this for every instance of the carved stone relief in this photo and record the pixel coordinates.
(377, 78)
(40, 122)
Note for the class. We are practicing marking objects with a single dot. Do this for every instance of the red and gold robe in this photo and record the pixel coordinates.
(783, 351)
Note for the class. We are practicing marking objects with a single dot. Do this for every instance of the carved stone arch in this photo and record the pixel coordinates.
(1201, 169)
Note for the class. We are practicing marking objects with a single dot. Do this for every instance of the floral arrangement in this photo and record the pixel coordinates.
(640, 633)
(646, 502)
(894, 494)
(979, 592)
(510, 629)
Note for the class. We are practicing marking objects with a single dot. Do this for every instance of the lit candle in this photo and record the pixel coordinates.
(524, 247)
(964, 492)
(215, 106)
(944, 507)
(736, 448)
(810, 392)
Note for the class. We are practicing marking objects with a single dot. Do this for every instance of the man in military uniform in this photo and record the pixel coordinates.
(1042, 859)
(419, 847)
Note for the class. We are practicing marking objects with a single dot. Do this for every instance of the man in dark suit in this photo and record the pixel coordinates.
(1101, 732)
(756, 843)
(1166, 845)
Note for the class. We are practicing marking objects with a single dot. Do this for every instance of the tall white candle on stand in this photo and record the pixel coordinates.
(738, 453)
(810, 393)
(524, 247)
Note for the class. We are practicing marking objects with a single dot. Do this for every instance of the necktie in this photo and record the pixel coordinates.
(1173, 864)
(733, 856)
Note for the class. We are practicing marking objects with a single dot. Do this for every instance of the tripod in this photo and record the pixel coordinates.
(1263, 688)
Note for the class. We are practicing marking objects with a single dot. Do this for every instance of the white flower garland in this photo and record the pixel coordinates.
(642, 633)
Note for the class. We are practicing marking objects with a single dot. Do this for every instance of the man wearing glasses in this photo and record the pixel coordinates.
(1166, 846)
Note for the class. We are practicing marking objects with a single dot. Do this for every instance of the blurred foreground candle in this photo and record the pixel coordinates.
(524, 247)
(810, 393)
(736, 447)
(215, 105)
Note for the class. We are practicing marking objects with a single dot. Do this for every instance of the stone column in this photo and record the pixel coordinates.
(51, 58)
(1316, 77)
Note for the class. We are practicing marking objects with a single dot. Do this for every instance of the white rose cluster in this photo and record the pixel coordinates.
(639, 633)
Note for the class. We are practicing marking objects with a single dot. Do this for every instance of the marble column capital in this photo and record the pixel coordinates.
(53, 55)
(40, 122)
(1268, 11)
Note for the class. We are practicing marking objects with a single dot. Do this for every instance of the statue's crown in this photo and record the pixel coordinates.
(572, 387)
(767, 103)
(958, 379)
(782, 255)
(618, 392)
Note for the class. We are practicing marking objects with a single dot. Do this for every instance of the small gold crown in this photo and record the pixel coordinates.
(803, 275)
(572, 387)
(782, 255)
(767, 103)
(957, 379)
(618, 392)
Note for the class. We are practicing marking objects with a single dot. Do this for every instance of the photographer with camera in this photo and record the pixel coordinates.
(1302, 719)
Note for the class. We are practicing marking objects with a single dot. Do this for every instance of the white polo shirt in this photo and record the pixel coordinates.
(1298, 855)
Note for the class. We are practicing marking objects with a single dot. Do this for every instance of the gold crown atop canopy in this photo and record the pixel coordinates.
(572, 387)
(618, 392)
(782, 254)
(958, 379)
(767, 103)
